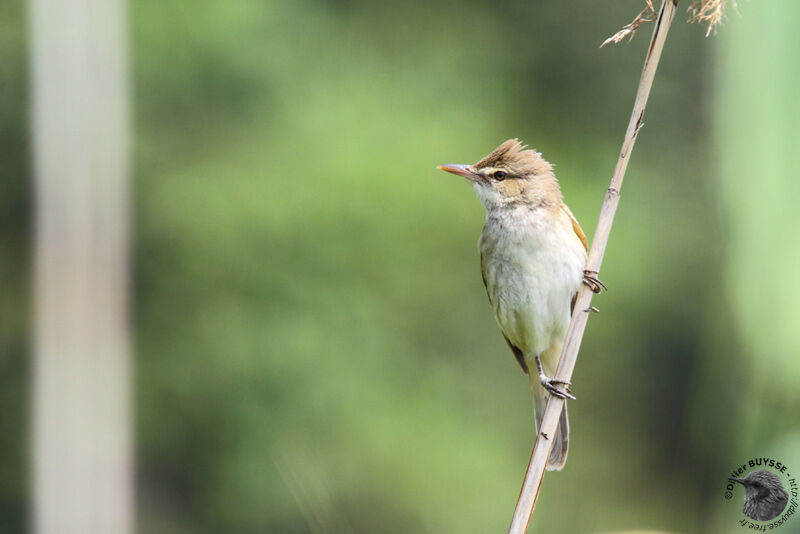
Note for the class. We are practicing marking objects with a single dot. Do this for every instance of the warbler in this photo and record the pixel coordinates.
(533, 258)
(764, 496)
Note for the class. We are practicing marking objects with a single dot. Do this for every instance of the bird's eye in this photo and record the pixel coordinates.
(499, 175)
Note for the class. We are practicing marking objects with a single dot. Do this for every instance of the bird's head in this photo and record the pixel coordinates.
(511, 174)
(759, 484)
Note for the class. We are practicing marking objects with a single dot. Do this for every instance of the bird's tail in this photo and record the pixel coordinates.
(558, 454)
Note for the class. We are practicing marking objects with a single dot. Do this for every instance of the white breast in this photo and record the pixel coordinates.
(533, 265)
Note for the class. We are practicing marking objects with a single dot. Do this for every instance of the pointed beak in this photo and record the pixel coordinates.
(739, 480)
(461, 170)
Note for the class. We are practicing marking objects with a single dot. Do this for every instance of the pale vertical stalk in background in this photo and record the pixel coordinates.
(757, 137)
(542, 446)
(82, 426)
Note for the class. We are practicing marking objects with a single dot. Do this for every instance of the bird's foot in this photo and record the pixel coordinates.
(594, 283)
(557, 388)
(553, 385)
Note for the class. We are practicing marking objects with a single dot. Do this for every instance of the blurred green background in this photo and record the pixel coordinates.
(314, 349)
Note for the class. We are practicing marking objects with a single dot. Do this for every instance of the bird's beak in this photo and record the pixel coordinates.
(739, 480)
(461, 170)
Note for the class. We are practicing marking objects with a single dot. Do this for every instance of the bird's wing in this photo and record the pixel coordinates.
(516, 350)
(578, 232)
(483, 277)
(576, 227)
(518, 355)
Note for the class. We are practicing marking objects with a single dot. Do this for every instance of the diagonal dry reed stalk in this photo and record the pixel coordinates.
(542, 446)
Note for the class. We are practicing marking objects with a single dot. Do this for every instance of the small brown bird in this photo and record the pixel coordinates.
(533, 256)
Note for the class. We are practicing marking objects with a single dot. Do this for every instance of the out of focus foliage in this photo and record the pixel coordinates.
(14, 228)
(315, 353)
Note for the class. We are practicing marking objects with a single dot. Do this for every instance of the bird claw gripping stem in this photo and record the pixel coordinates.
(594, 283)
(552, 385)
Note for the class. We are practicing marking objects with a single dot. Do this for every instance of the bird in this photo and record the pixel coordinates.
(764, 496)
(533, 261)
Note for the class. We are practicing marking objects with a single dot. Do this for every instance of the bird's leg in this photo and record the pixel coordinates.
(591, 280)
(551, 384)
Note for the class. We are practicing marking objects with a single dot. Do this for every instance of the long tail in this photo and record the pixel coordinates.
(558, 454)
